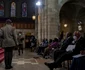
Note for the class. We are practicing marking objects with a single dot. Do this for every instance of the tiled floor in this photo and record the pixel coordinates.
(26, 61)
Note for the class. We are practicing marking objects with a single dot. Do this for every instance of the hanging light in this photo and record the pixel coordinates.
(65, 25)
(38, 3)
(33, 17)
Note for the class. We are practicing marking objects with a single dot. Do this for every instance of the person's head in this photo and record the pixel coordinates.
(20, 33)
(8, 21)
(55, 40)
(76, 35)
(50, 41)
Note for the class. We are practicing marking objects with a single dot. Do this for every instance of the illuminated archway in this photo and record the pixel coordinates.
(71, 13)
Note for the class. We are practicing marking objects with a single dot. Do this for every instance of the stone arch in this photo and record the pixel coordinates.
(59, 5)
(72, 16)
(61, 2)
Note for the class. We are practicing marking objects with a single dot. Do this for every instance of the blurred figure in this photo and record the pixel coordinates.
(33, 43)
(42, 46)
(9, 41)
(46, 51)
(78, 63)
(67, 41)
(67, 55)
(20, 41)
(52, 45)
(27, 41)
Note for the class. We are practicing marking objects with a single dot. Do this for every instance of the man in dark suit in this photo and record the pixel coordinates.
(68, 40)
(68, 54)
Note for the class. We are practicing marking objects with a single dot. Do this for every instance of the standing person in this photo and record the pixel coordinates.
(33, 43)
(20, 41)
(9, 41)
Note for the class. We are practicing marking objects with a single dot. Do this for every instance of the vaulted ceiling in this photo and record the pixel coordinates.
(73, 10)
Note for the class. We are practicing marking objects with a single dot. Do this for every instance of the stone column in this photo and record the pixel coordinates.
(41, 18)
(52, 19)
(43, 23)
(46, 19)
(54, 7)
(39, 25)
(44, 31)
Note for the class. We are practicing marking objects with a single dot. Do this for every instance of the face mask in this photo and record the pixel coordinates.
(74, 37)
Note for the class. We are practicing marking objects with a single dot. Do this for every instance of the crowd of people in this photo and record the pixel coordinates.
(63, 54)
(59, 46)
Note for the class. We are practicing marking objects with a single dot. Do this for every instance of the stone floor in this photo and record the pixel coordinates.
(28, 61)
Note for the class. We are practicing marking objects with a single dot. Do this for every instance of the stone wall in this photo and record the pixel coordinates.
(50, 18)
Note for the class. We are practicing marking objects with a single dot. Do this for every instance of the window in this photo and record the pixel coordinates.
(13, 9)
(24, 9)
(1, 8)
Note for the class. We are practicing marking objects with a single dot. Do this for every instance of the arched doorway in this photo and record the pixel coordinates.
(72, 16)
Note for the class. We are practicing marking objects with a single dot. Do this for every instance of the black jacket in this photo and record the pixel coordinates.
(80, 45)
(66, 42)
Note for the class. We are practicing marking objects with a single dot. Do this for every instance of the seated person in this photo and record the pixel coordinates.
(54, 44)
(67, 41)
(42, 46)
(67, 55)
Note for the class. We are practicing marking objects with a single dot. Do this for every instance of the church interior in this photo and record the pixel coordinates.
(51, 18)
